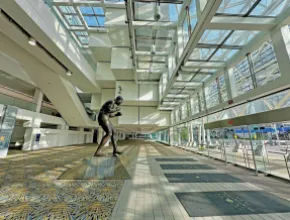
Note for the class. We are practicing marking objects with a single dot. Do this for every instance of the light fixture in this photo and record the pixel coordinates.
(68, 73)
(32, 41)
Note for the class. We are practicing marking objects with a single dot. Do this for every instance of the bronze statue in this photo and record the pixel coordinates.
(109, 110)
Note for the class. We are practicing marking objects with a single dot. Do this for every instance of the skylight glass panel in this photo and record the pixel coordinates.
(73, 20)
(206, 78)
(99, 11)
(214, 36)
(173, 12)
(67, 9)
(84, 40)
(193, 14)
(81, 33)
(145, 11)
(101, 21)
(144, 32)
(165, 33)
(91, 21)
(236, 7)
(270, 7)
(224, 54)
(159, 58)
(162, 44)
(144, 58)
(201, 54)
(241, 38)
(184, 77)
(199, 77)
(87, 10)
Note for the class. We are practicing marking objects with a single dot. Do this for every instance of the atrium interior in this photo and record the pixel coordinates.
(202, 131)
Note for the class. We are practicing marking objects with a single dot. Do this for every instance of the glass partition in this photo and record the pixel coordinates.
(161, 136)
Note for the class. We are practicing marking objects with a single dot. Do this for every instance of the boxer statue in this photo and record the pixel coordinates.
(109, 110)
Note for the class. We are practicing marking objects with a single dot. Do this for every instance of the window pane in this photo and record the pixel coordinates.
(193, 14)
(73, 20)
(265, 64)
(243, 78)
(211, 94)
(91, 21)
(99, 11)
(101, 21)
(87, 10)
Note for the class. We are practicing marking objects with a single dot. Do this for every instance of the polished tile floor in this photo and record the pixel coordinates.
(68, 183)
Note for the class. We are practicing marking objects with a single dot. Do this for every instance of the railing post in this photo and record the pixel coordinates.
(252, 149)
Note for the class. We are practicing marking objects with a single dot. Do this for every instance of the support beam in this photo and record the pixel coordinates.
(129, 10)
(190, 70)
(138, 71)
(140, 82)
(214, 46)
(148, 53)
(89, 4)
(241, 23)
(154, 25)
(207, 65)
(205, 18)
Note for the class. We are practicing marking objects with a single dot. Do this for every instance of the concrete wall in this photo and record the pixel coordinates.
(144, 116)
(138, 95)
(54, 138)
(38, 20)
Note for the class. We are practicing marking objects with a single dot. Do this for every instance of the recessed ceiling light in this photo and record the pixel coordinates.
(68, 73)
(32, 41)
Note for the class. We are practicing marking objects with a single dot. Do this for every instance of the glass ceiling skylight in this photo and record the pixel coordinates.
(77, 18)
(145, 11)
(94, 16)
(257, 7)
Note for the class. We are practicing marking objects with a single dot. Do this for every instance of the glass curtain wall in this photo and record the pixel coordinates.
(265, 147)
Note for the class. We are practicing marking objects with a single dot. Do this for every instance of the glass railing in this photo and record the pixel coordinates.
(9, 100)
(263, 148)
(85, 52)
(161, 136)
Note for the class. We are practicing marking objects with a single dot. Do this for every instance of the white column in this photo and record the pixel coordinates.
(281, 43)
(28, 139)
(204, 97)
(203, 133)
(191, 134)
(38, 97)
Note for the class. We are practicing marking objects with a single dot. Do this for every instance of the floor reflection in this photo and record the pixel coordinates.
(97, 168)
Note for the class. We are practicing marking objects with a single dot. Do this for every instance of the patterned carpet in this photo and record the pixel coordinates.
(30, 189)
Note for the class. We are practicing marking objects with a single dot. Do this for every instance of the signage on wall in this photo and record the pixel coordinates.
(7, 124)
